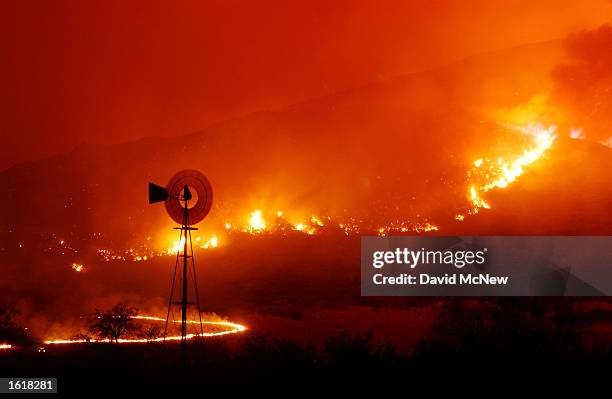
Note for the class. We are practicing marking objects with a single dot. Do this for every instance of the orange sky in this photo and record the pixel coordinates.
(108, 71)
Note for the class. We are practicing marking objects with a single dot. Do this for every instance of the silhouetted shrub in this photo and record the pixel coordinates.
(505, 328)
(358, 351)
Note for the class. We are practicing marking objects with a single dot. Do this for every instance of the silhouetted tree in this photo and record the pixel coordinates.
(81, 336)
(115, 323)
(152, 332)
(9, 330)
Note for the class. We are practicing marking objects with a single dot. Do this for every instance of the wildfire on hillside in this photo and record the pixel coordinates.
(495, 170)
(499, 172)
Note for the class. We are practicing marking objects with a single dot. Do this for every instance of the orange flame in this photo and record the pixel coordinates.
(177, 247)
(488, 174)
(256, 222)
(229, 328)
(77, 267)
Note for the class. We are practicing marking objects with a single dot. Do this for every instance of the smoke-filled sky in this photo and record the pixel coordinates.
(108, 71)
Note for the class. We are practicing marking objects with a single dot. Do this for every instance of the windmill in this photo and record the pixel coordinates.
(188, 199)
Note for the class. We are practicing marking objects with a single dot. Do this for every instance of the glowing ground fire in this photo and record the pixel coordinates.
(226, 326)
(496, 171)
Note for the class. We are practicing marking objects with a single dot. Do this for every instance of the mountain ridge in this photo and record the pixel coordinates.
(395, 150)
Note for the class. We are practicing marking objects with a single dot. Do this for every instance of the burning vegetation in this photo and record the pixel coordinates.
(501, 171)
(118, 326)
(496, 171)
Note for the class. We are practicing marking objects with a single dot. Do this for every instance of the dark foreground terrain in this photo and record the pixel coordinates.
(518, 339)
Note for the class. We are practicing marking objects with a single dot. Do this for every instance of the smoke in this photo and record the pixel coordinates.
(394, 150)
(583, 85)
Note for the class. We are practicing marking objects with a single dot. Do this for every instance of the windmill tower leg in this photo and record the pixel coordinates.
(195, 285)
(184, 296)
(176, 263)
(187, 254)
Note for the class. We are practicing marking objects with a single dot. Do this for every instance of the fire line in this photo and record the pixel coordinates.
(230, 328)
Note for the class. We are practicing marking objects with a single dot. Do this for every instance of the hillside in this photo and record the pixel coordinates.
(393, 150)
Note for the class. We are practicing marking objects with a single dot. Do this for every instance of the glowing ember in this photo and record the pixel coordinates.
(77, 267)
(487, 174)
(228, 328)
(316, 221)
(405, 227)
(426, 227)
(349, 228)
(6, 346)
